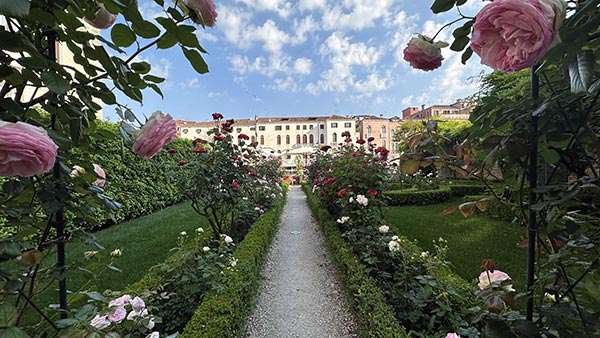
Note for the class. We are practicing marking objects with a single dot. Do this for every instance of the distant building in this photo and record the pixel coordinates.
(294, 139)
(460, 110)
(381, 129)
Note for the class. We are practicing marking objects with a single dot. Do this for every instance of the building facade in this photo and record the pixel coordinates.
(381, 129)
(460, 110)
(293, 139)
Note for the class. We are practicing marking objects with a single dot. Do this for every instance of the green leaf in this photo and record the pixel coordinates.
(122, 35)
(196, 60)
(440, 6)
(156, 89)
(581, 72)
(463, 30)
(466, 55)
(13, 332)
(154, 79)
(167, 41)
(460, 43)
(146, 29)
(18, 8)
(461, 2)
(186, 36)
(8, 315)
(55, 83)
(141, 67)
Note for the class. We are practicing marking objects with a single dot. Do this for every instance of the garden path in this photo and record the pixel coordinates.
(300, 295)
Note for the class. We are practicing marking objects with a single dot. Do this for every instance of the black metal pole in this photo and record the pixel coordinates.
(532, 174)
(59, 217)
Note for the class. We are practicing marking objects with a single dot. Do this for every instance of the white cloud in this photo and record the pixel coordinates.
(162, 68)
(272, 38)
(355, 14)
(303, 28)
(191, 83)
(283, 8)
(242, 65)
(287, 84)
(311, 4)
(234, 22)
(303, 66)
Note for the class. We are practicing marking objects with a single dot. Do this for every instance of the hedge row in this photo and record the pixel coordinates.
(375, 316)
(461, 190)
(141, 186)
(424, 197)
(223, 312)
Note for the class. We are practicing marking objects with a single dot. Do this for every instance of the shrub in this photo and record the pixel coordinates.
(138, 194)
(426, 197)
(461, 190)
(224, 310)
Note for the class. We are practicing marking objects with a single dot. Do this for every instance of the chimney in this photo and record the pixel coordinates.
(422, 107)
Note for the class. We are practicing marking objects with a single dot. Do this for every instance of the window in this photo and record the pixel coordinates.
(348, 125)
(311, 139)
(310, 127)
(334, 138)
(278, 139)
(277, 127)
(287, 139)
(185, 131)
(298, 127)
(262, 139)
(322, 139)
(238, 130)
(253, 139)
(383, 132)
(369, 131)
(262, 128)
(322, 126)
(297, 139)
(198, 131)
(333, 125)
(252, 128)
(304, 127)
(304, 139)
(178, 129)
(288, 156)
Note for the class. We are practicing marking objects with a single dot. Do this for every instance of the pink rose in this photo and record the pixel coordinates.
(497, 278)
(554, 10)
(103, 18)
(137, 304)
(510, 35)
(205, 10)
(159, 131)
(118, 314)
(101, 175)
(25, 150)
(120, 302)
(452, 335)
(422, 53)
(100, 322)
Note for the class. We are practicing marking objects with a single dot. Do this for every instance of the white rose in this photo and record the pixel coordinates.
(394, 246)
(384, 229)
(206, 249)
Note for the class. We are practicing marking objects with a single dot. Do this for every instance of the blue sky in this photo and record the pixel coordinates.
(308, 57)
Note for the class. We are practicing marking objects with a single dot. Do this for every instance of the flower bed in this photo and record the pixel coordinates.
(224, 310)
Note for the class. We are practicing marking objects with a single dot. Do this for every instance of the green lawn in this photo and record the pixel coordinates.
(469, 240)
(144, 242)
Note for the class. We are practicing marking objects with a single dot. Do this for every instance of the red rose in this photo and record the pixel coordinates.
(172, 151)
(361, 141)
(328, 180)
(243, 137)
(235, 185)
(372, 192)
(383, 153)
(198, 141)
(342, 193)
(200, 149)
(219, 137)
(217, 116)
(181, 163)
(346, 134)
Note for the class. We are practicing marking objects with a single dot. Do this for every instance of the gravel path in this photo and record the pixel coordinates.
(300, 296)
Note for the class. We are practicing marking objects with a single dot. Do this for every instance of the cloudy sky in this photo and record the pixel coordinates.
(309, 57)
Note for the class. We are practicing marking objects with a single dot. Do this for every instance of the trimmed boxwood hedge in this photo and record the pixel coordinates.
(375, 316)
(461, 190)
(424, 197)
(223, 312)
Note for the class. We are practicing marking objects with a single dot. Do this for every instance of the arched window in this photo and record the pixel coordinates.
(278, 139)
(383, 131)
(369, 131)
(262, 139)
(297, 139)
(311, 139)
(334, 138)
(304, 139)
(253, 139)
(287, 139)
(322, 138)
